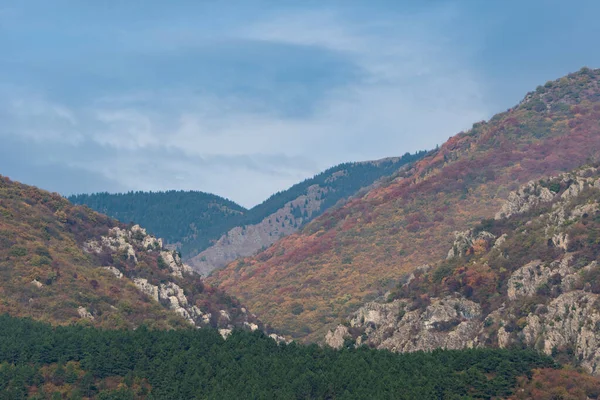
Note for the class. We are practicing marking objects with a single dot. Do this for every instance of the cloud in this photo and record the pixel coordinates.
(37, 119)
(247, 109)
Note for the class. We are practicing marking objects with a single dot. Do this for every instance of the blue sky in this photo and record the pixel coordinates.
(245, 98)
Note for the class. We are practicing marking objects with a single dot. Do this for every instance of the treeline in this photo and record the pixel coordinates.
(39, 361)
(195, 219)
(350, 178)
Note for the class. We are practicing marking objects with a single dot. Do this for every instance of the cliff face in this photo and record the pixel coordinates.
(305, 282)
(528, 277)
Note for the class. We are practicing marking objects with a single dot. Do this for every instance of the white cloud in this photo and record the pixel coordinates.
(416, 89)
(40, 120)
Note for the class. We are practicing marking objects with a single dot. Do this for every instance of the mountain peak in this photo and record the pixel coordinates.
(564, 92)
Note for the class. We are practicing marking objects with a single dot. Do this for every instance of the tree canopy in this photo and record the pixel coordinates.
(39, 360)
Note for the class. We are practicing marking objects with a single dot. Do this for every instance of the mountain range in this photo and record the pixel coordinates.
(486, 246)
(211, 231)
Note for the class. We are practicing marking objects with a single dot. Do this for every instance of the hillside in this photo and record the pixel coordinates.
(186, 220)
(305, 283)
(528, 277)
(286, 212)
(210, 231)
(66, 264)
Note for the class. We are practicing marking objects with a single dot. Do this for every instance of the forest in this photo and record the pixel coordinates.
(39, 361)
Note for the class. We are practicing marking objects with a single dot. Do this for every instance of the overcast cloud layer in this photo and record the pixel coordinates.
(243, 99)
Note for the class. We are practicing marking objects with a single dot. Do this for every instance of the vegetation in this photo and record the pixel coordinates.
(551, 384)
(189, 218)
(46, 274)
(354, 253)
(482, 274)
(41, 362)
(194, 220)
(342, 181)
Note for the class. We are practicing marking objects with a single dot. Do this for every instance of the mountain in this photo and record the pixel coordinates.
(527, 277)
(66, 264)
(211, 231)
(306, 282)
(116, 294)
(285, 212)
(186, 220)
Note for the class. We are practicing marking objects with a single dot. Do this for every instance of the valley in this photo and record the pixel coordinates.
(460, 257)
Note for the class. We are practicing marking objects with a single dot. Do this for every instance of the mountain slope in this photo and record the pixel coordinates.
(66, 264)
(211, 231)
(306, 282)
(286, 212)
(528, 277)
(187, 220)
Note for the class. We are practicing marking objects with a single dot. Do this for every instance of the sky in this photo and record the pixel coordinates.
(246, 98)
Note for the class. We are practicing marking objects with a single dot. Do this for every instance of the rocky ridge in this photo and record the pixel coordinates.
(548, 233)
(243, 241)
(127, 243)
(66, 264)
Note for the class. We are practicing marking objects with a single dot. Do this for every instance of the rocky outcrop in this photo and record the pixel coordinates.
(174, 298)
(37, 283)
(550, 302)
(174, 263)
(117, 240)
(134, 241)
(146, 288)
(571, 322)
(337, 337)
(527, 197)
(126, 241)
(84, 313)
(246, 240)
(450, 323)
(465, 242)
(114, 271)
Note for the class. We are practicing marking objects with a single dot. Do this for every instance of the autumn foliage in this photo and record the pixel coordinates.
(357, 252)
(45, 273)
(565, 384)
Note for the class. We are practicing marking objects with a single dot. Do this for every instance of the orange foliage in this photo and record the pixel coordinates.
(550, 384)
(45, 274)
(356, 251)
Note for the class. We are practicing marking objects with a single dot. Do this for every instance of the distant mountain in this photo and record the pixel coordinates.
(527, 277)
(305, 282)
(66, 264)
(186, 220)
(286, 212)
(211, 231)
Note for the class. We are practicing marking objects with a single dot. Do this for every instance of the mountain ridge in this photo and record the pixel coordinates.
(211, 231)
(352, 254)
